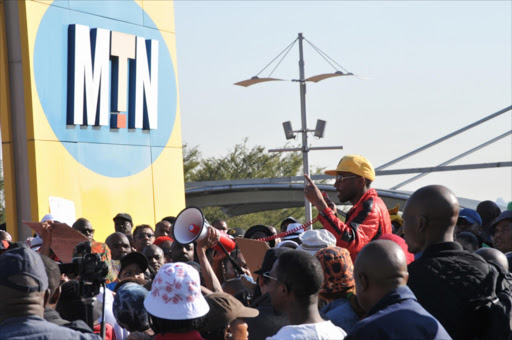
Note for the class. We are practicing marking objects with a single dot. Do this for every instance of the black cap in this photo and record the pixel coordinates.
(270, 257)
(134, 257)
(124, 216)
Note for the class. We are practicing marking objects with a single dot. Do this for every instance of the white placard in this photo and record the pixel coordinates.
(63, 210)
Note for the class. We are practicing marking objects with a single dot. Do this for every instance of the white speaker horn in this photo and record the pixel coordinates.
(190, 225)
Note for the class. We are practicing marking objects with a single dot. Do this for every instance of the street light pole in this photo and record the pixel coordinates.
(288, 130)
(305, 149)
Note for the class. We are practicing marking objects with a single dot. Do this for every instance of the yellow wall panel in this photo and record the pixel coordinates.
(103, 197)
(35, 10)
(169, 176)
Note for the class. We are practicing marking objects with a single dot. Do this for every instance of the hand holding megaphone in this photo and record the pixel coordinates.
(211, 239)
(191, 226)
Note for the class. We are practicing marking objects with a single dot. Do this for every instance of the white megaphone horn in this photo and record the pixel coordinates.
(190, 225)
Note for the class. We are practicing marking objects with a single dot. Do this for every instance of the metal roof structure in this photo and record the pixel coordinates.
(239, 197)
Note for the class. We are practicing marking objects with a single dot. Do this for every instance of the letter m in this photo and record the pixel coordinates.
(88, 76)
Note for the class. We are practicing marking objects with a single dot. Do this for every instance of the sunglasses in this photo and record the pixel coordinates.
(341, 178)
(268, 276)
(143, 235)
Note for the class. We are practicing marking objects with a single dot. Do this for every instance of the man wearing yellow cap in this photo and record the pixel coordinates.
(367, 219)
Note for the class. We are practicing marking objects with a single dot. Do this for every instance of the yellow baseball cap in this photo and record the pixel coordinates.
(355, 164)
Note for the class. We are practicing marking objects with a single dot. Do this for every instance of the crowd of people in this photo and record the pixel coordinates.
(433, 272)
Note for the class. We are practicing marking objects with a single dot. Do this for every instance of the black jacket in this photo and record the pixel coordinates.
(446, 279)
(51, 315)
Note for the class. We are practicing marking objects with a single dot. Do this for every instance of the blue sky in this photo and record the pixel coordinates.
(434, 67)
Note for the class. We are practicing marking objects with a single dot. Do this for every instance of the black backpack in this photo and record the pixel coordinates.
(495, 311)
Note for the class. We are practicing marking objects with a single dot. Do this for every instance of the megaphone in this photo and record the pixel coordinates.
(190, 225)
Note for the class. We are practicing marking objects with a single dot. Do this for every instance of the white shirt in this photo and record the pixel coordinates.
(322, 330)
(121, 333)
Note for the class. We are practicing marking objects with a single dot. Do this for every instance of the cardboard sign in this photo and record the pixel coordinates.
(64, 239)
(253, 252)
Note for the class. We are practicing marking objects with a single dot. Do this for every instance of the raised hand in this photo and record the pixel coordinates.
(313, 194)
(46, 235)
(211, 239)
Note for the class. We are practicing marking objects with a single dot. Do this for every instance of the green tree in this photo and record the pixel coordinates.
(244, 162)
(191, 160)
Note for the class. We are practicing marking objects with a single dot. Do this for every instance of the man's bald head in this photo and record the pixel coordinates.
(383, 261)
(380, 267)
(84, 226)
(430, 215)
(495, 256)
(119, 245)
(116, 236)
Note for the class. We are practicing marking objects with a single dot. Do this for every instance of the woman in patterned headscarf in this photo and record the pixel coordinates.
(129, 308)
(338, 288)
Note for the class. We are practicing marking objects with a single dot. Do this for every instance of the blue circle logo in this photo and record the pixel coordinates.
(106, 150)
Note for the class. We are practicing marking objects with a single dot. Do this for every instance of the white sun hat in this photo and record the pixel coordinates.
(296, 234)
(176, 293)
(314, 240)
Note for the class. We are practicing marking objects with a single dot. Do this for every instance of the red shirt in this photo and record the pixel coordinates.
(366, 221)
(190, 335)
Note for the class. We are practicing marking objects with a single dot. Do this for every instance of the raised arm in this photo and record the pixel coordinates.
(210, 279)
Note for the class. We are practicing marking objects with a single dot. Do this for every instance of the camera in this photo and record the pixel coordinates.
(88, 268)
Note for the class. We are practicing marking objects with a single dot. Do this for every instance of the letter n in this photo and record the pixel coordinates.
(143, 107)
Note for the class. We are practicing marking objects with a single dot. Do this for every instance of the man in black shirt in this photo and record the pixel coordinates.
(445, 278)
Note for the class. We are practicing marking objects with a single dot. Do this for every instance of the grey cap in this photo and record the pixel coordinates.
(23, 261)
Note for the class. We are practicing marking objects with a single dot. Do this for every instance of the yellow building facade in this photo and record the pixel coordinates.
(89, 110)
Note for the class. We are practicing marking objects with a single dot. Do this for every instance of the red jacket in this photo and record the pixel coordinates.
(365, 221)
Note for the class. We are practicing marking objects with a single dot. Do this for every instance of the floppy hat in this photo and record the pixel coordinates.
(224, 308)
(355, 164)
(314, 240)
(176, 293)
(471, 216)
(23, 261)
